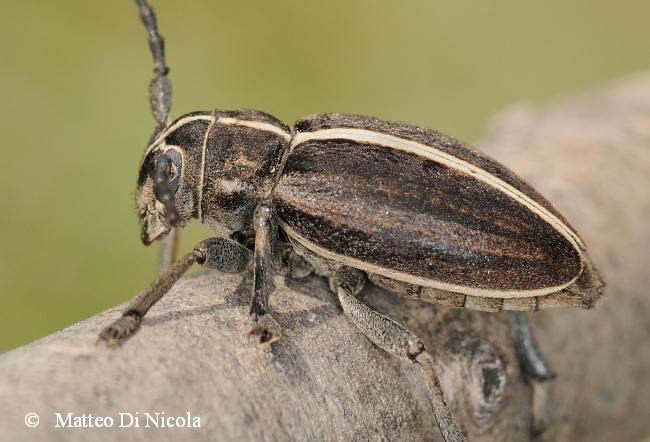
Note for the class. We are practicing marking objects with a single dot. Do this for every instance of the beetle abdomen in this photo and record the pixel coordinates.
(415, 213)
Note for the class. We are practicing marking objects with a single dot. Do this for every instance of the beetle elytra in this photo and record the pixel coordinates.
(352, 198)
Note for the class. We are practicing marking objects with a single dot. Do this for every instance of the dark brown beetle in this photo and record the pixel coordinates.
(353, 198)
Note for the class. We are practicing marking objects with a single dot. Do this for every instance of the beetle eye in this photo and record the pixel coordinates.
(176, 169)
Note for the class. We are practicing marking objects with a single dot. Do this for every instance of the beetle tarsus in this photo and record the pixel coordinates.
(120, 329)
(266, 331)
(138, 306)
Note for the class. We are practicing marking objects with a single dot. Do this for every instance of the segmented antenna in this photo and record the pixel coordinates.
(160, 89)
(160, 98)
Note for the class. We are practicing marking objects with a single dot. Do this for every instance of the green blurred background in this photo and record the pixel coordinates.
(74, 115)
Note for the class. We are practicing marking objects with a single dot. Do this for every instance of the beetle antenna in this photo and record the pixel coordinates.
(161, 187)
(160, 99)
(160, 89)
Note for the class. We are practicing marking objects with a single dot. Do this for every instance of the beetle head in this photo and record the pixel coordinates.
(164, 197)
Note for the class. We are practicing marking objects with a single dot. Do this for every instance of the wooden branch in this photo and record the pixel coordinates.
(590, 155)
(326, 381)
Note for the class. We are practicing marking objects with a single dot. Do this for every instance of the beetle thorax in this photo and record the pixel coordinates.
(242, 156)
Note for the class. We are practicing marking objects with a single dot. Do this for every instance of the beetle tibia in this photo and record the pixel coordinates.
(398, 341)
(136, 309)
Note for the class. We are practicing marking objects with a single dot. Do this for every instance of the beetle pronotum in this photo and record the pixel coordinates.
(352, 198)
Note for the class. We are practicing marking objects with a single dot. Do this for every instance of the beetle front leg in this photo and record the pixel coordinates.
(220, 254)
(168, 248)
(398, 341)
(267, 256)
(138, 307)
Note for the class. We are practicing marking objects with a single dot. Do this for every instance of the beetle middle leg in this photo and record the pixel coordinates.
(268, 257)
(395, 339)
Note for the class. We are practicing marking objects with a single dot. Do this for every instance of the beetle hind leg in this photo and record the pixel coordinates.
(530, 358)
(534, 369)
(398, 341)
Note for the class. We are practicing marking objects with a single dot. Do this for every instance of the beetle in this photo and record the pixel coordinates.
(354, 199)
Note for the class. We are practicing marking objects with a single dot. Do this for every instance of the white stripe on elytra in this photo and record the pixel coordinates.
(419, 281)
(367, 136)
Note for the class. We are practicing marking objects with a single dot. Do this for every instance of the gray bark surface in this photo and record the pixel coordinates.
(590, 155)
(324, 380)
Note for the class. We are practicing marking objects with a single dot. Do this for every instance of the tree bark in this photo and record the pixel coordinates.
(324, 380)
(590, 155)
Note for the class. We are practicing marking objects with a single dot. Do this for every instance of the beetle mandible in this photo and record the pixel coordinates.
(352, 198)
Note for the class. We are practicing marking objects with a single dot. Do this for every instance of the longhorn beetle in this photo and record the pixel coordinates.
(353, 198)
